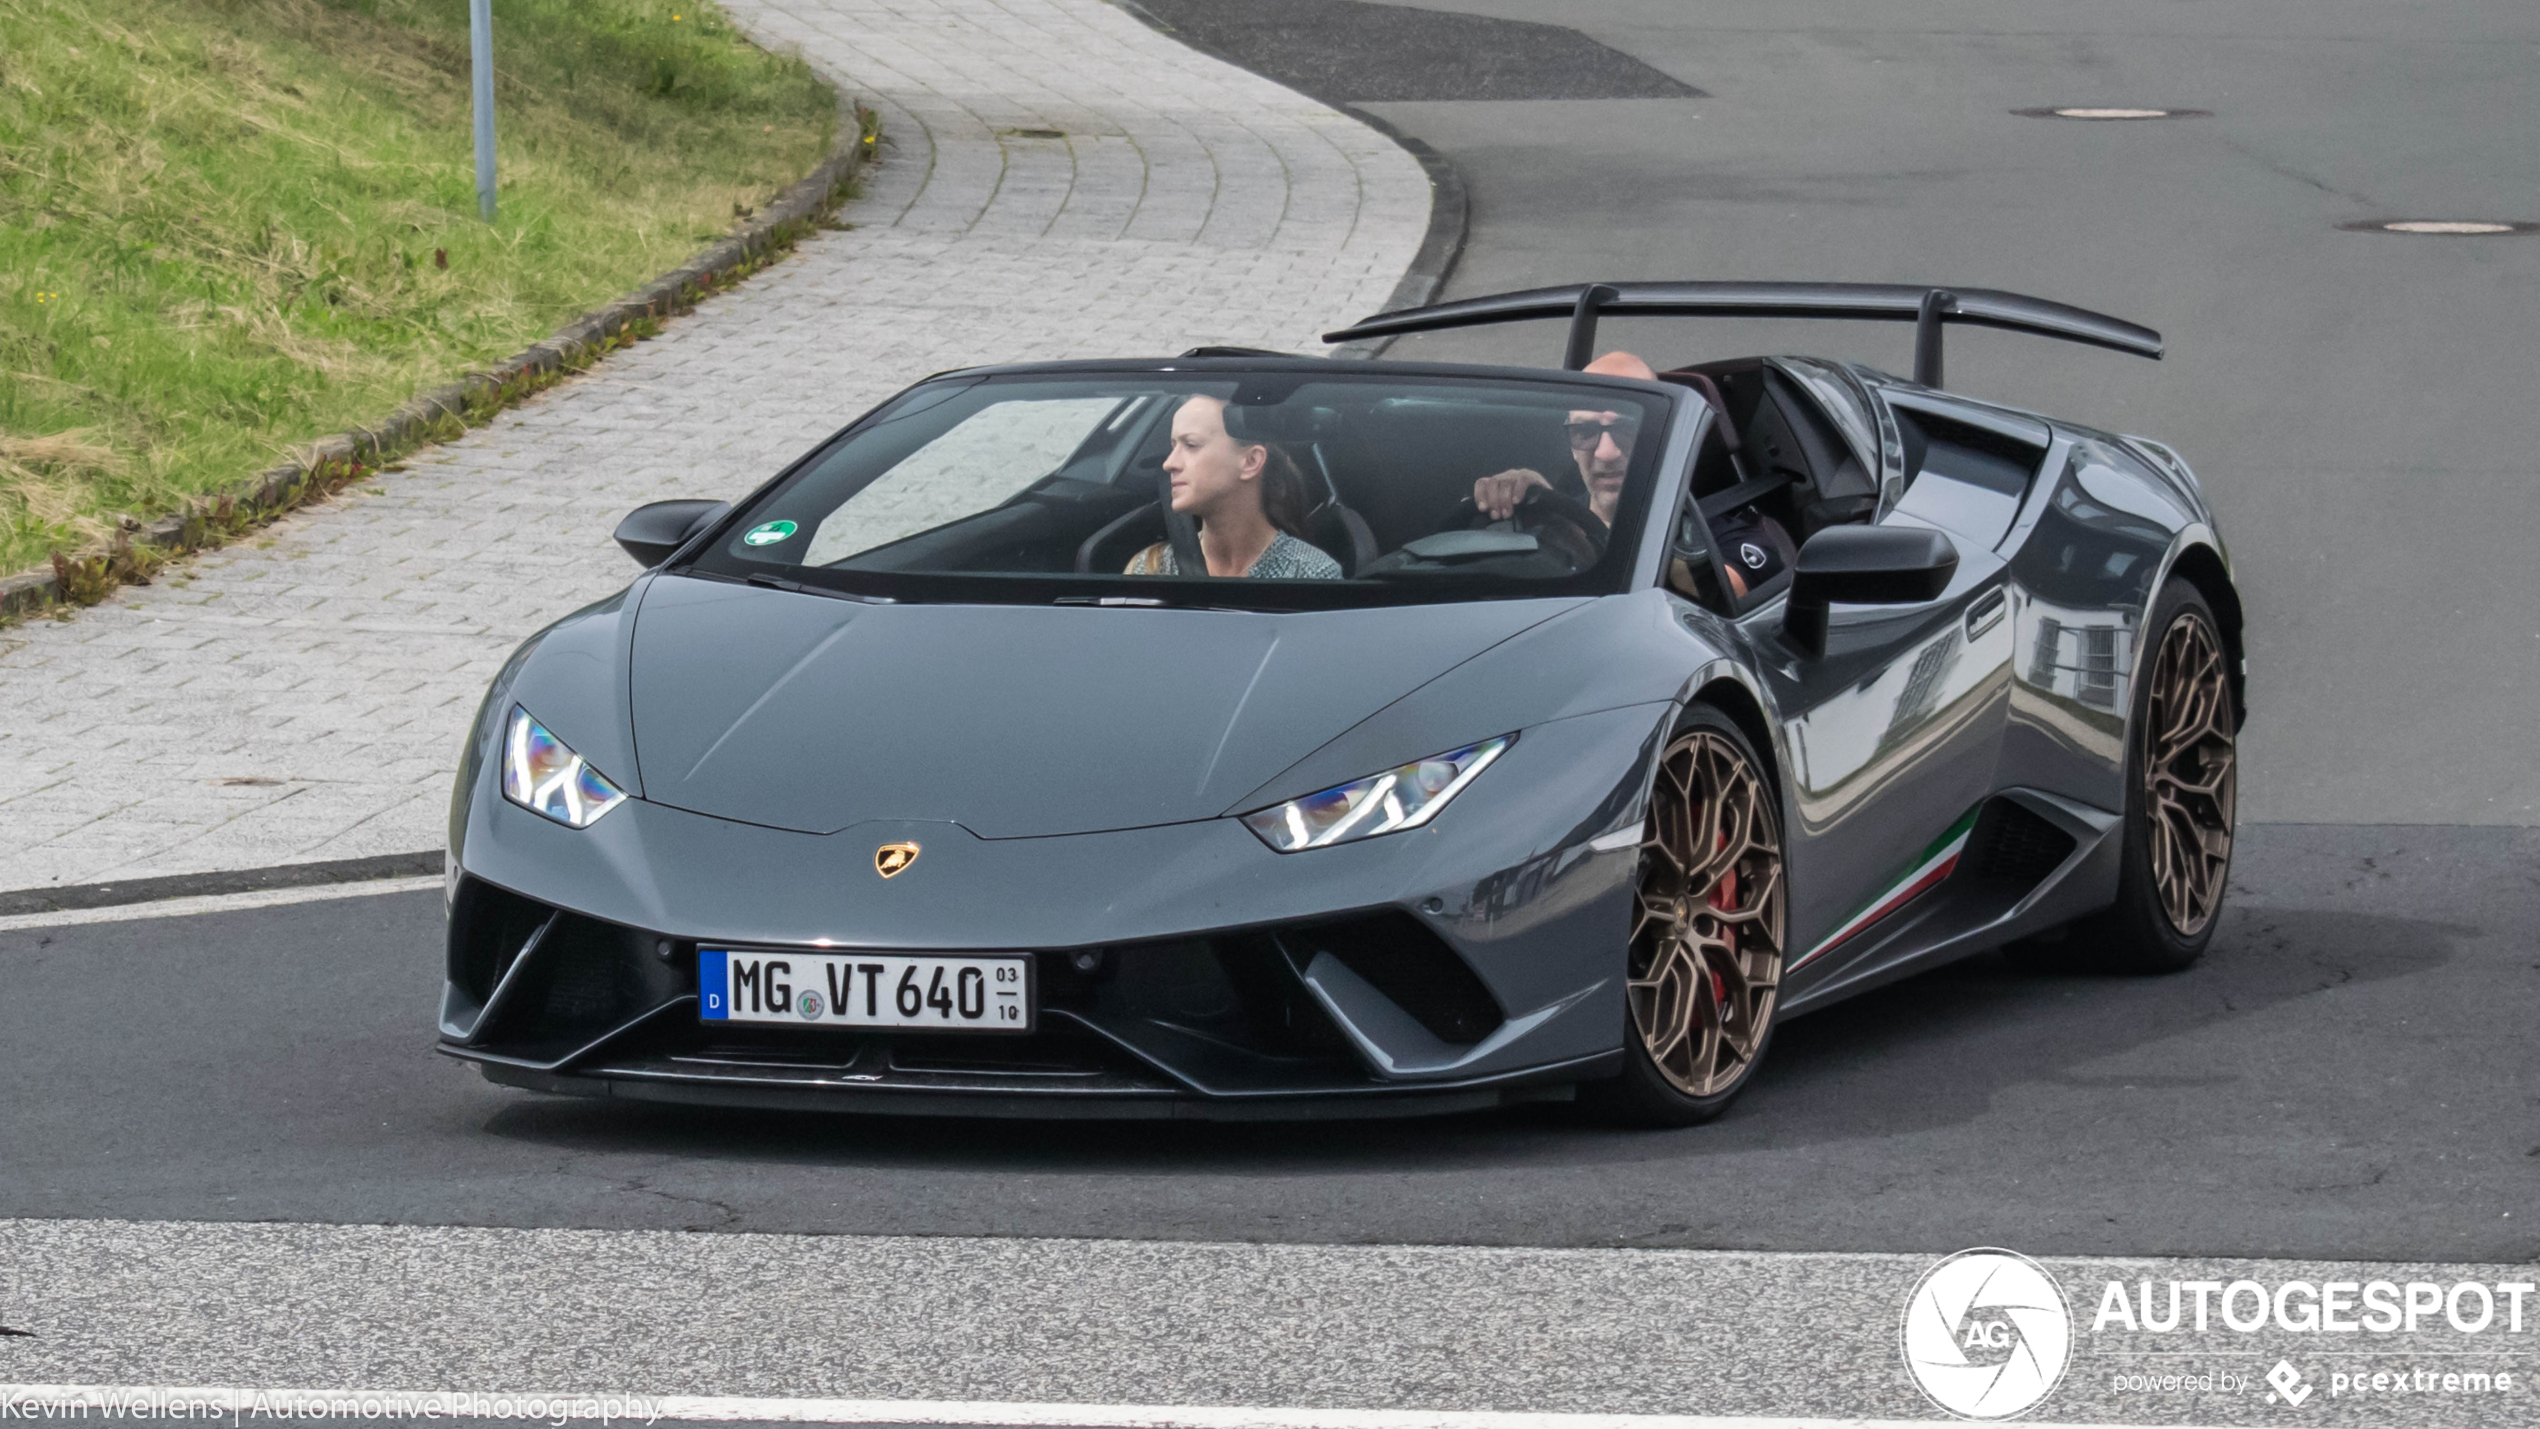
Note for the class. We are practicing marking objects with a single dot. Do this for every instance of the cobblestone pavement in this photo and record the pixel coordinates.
(1057, 180)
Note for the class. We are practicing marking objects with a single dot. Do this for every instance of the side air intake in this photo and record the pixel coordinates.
(2011, 843)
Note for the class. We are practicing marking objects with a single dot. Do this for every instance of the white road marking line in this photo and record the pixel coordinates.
(219, 903)
(637, 1408)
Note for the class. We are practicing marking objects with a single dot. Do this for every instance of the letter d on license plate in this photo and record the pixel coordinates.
(933, 994)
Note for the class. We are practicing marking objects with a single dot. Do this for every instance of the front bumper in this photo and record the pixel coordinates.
(1465, 964)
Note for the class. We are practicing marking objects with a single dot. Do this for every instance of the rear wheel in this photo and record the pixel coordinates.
(1704, 964)
(2182, 795)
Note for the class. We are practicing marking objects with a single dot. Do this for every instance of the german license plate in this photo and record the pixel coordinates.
(933, 994)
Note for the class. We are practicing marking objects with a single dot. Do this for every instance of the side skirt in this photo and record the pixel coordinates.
(1981, 885)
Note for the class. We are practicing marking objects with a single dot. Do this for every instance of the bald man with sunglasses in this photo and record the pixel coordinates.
(1601, 445)
(1600, 442)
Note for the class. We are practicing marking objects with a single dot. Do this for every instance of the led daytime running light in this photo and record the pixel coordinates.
(544, 776)
(1400, 798)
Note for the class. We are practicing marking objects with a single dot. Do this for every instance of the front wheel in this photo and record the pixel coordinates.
(2182, 796)
(1704, 964)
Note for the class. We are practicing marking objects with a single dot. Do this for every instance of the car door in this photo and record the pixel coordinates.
(1894, 732)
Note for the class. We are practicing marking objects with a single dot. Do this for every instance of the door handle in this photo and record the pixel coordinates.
(1986, 613)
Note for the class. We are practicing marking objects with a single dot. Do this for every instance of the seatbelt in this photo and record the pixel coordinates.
(1180, 531)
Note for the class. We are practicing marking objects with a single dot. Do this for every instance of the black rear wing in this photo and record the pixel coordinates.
(1926, 308)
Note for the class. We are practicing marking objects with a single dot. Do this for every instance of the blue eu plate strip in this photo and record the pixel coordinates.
(714, 967)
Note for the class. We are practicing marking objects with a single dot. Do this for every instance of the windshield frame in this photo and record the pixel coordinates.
(1653, 482)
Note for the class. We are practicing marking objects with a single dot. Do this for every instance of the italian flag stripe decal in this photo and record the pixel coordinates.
(1933, 865)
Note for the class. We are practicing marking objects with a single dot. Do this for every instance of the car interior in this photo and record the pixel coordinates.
(1774, 461)
(1390, 485)
(1788, 464)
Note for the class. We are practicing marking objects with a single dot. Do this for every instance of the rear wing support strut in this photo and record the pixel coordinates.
(1582, 346)
(1927, 320)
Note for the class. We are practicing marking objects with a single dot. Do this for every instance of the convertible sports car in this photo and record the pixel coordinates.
(1743, 690)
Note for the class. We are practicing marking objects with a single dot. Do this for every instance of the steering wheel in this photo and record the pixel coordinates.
(1541, 511)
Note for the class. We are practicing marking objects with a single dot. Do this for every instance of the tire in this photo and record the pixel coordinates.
(2182, 792)
(1703, 961)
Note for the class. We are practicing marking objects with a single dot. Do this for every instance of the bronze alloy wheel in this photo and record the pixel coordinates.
(1706, 948)
(2190, 772)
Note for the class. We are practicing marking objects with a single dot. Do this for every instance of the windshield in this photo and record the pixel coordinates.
(1275, 489)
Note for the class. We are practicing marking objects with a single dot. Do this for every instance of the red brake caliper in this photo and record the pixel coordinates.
(1724, 898)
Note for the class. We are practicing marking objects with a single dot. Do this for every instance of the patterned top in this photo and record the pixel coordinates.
(1287, 559)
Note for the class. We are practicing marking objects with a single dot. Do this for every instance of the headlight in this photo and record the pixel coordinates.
(1400, 798)
(541, 775)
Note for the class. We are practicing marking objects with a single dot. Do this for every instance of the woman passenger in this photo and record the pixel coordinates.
(1248, 498)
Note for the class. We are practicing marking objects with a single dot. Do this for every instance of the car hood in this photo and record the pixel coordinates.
(810, 713)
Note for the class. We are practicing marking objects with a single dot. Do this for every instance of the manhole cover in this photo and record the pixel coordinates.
(2106, 112)
(2441, 227)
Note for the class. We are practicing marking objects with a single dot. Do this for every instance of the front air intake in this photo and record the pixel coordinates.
(1411, 966)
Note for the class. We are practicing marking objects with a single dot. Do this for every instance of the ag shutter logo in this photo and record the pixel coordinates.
(1987, 1334)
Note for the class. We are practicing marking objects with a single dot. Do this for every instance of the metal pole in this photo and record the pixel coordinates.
(480, 37)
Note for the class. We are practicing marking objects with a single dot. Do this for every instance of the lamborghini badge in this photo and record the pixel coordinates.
(890, 859)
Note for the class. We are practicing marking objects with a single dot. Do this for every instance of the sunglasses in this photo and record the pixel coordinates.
(1585, 435)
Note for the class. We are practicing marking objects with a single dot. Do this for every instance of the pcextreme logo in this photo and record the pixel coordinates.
(1987, 1334)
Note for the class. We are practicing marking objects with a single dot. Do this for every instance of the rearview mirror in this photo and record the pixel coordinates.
(653, 534)
(1863, 565)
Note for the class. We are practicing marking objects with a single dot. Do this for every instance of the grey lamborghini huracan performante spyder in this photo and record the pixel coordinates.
(963, 768)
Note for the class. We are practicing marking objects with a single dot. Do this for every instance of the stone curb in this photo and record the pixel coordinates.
(1450, 218)
(1450, 207)
(327, 464)
(17, 902)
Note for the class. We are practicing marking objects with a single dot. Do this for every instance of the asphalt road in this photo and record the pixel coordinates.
(2358, 404)
(2348, 1075)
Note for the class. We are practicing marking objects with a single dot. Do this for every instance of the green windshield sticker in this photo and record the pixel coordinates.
(770, 534)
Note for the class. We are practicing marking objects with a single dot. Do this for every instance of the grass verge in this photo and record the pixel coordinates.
(230, 226)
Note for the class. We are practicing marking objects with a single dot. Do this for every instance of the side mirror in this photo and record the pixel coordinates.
(653, 533)
(1863, 565)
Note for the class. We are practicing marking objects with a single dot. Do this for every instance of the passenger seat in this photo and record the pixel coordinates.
(1342, 533)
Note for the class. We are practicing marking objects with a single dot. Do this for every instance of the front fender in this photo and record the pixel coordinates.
(1612, 653)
